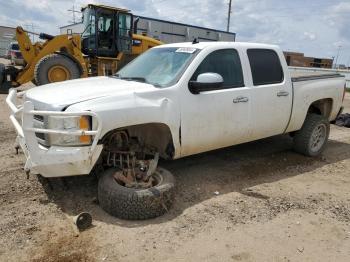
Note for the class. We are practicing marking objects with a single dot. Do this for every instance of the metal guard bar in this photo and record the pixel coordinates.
(28, 109)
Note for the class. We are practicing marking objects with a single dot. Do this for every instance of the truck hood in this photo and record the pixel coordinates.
(57, 96)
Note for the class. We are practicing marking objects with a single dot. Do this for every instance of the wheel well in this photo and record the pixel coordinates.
(154, 135)
(321, 107)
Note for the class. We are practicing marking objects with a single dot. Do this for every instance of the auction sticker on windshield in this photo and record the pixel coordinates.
(189, 50)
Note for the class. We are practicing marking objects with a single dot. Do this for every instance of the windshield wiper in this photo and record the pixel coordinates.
(138, 79)
(134, 78)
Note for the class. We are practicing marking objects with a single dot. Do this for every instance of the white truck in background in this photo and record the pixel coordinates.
(173, 101)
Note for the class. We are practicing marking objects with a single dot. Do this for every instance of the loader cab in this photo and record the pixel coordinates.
(107, 31)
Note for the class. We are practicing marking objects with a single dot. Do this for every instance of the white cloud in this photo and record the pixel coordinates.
(310, 36)
(306, 26)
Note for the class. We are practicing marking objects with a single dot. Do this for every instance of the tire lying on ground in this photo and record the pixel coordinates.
(136, 204)
(55, 68)
(312, 138)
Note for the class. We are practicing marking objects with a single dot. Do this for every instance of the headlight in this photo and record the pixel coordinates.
(69, 123)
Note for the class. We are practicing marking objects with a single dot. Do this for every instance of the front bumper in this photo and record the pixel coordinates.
(54, 161)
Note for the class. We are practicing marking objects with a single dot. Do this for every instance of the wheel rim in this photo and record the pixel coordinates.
(318, 137)
(58, 73)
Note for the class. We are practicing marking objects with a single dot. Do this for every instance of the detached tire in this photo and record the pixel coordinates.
(312, 138)
(136, 204)
(55, 68)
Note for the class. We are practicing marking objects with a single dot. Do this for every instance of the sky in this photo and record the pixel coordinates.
(318, 28)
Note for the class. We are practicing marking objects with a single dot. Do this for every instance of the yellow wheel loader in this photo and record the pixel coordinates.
(107, 43)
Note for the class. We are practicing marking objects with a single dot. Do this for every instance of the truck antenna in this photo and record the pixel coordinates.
(195, 41)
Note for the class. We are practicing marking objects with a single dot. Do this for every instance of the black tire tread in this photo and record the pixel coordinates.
(302, 137)
(44, 64)
(135, 204)
(2, 69)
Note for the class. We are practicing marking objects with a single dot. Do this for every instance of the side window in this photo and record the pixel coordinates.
(224, 62)
(104, 24)
(266, 66)
(124, 24)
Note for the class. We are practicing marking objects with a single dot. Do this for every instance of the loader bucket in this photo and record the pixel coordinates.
(7, 76)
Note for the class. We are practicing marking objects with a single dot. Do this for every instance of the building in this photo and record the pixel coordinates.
(7, 35)
(166, 31)
(172, 32)
(298, 59)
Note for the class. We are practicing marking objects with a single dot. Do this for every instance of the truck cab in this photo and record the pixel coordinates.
(107, 31)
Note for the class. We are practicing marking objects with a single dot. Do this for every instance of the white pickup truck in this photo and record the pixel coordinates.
(173, 101)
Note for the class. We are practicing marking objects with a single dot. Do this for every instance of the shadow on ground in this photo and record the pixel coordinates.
(232, 169)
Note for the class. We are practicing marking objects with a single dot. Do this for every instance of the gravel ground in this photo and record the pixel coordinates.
(272, 205)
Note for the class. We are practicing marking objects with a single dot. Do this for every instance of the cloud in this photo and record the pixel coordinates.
(310, 36)
(312, 27)
(341, 16)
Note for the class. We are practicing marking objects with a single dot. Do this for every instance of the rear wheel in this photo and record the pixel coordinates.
(136, 203)
(312, 138)
(55, 68)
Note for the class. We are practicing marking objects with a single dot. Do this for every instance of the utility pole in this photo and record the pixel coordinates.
(337, 57)
(73, 13)
(229, 16)
(31, 27)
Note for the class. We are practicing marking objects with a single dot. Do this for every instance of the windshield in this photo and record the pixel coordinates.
(158, 66)
(88, 22)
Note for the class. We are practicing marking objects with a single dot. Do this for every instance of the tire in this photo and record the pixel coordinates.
(305, 140)
(55, 68)
(2, 73)
(136, 204)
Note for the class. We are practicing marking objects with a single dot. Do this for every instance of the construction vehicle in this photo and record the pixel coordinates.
(107, 43)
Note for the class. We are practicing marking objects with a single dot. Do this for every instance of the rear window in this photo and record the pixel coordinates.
(14, 47)
(265, 66)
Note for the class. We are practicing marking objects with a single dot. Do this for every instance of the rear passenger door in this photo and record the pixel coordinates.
(271, 93)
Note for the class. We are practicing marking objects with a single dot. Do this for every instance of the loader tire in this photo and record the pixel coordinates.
(312, 138)
(55, 68)
(132, 203)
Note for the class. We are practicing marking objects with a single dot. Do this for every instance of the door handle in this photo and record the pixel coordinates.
(240, 99)
(282, 93)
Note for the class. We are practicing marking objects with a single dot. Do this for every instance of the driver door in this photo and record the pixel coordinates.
(105, 41)
(220, 117)
(124, 33)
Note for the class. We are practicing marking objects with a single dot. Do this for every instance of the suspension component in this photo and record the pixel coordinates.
(129, 156)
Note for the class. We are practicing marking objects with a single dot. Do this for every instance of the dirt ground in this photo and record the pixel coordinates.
(272, 205)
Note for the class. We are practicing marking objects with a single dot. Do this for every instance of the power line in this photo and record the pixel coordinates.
(33, 27)
(73, 10)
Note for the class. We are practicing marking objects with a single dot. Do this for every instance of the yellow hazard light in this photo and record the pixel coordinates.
(84, 124)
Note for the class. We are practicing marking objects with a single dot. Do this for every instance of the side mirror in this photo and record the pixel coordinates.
(206, 82)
